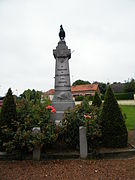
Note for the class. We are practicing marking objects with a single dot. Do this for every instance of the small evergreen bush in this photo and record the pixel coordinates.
(114, 132)
(96, 100)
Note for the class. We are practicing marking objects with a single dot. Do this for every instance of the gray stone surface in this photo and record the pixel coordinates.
(83, 142)
(62, 99)
(36, 150)
(36, 153)
(36, 130)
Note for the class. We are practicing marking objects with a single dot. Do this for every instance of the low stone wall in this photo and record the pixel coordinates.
(120, 102)
(126, 102)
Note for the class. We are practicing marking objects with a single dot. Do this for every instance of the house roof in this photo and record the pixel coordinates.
(86, 87)
(49, 92)
(78, 88)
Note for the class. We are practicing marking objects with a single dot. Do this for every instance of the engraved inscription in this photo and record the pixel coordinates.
(62, 75)
(62, 81)
(61, 69)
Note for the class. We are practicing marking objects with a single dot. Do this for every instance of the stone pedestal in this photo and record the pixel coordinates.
(62, 99)
(83, 142)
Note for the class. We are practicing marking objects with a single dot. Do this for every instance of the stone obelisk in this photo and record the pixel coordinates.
(62, 99)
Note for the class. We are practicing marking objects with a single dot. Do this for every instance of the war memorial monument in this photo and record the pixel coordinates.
(62, 99)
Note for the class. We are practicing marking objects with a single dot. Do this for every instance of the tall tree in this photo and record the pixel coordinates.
(31, 95)
(102, 86)
(8, 119)
(130, 85)
(80, 82)
(8, 110)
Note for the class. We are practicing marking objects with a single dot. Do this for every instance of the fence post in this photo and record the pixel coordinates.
(83, 142)
(134, 131)
(36, 150)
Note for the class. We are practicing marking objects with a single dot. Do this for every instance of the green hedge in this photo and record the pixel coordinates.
(119, 96)
(124, 96)
(80, 98)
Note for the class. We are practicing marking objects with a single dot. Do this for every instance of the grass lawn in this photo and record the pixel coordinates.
(130, 114)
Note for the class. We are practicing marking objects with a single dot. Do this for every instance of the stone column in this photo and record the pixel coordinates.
(62, 99)
(36, 150)
(83, 142)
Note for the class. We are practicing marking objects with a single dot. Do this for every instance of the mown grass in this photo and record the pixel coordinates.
(129, 111)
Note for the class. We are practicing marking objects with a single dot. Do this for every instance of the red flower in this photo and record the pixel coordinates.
(87, 116)
(53, 111)
(51, 108)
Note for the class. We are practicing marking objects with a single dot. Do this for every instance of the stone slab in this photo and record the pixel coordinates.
(83, 142)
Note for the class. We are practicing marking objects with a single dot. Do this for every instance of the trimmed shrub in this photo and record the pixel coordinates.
(8, 118)
(8, 110)
(96, 100)
(114, 132)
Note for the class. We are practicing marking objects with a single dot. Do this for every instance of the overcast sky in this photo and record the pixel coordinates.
(101, 33)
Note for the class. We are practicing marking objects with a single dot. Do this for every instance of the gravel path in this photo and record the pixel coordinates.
(68, 169)
(116, 169)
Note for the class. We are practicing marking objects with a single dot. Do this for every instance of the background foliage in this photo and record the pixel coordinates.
(30, 113)
(96, 100)
(77, 117)
(80, 82)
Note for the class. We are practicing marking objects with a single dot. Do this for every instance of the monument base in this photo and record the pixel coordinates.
(60, 108)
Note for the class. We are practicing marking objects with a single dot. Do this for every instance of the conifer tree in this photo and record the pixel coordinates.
(8, 110)
(114, 130)
(8, 117)
(96, 100)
